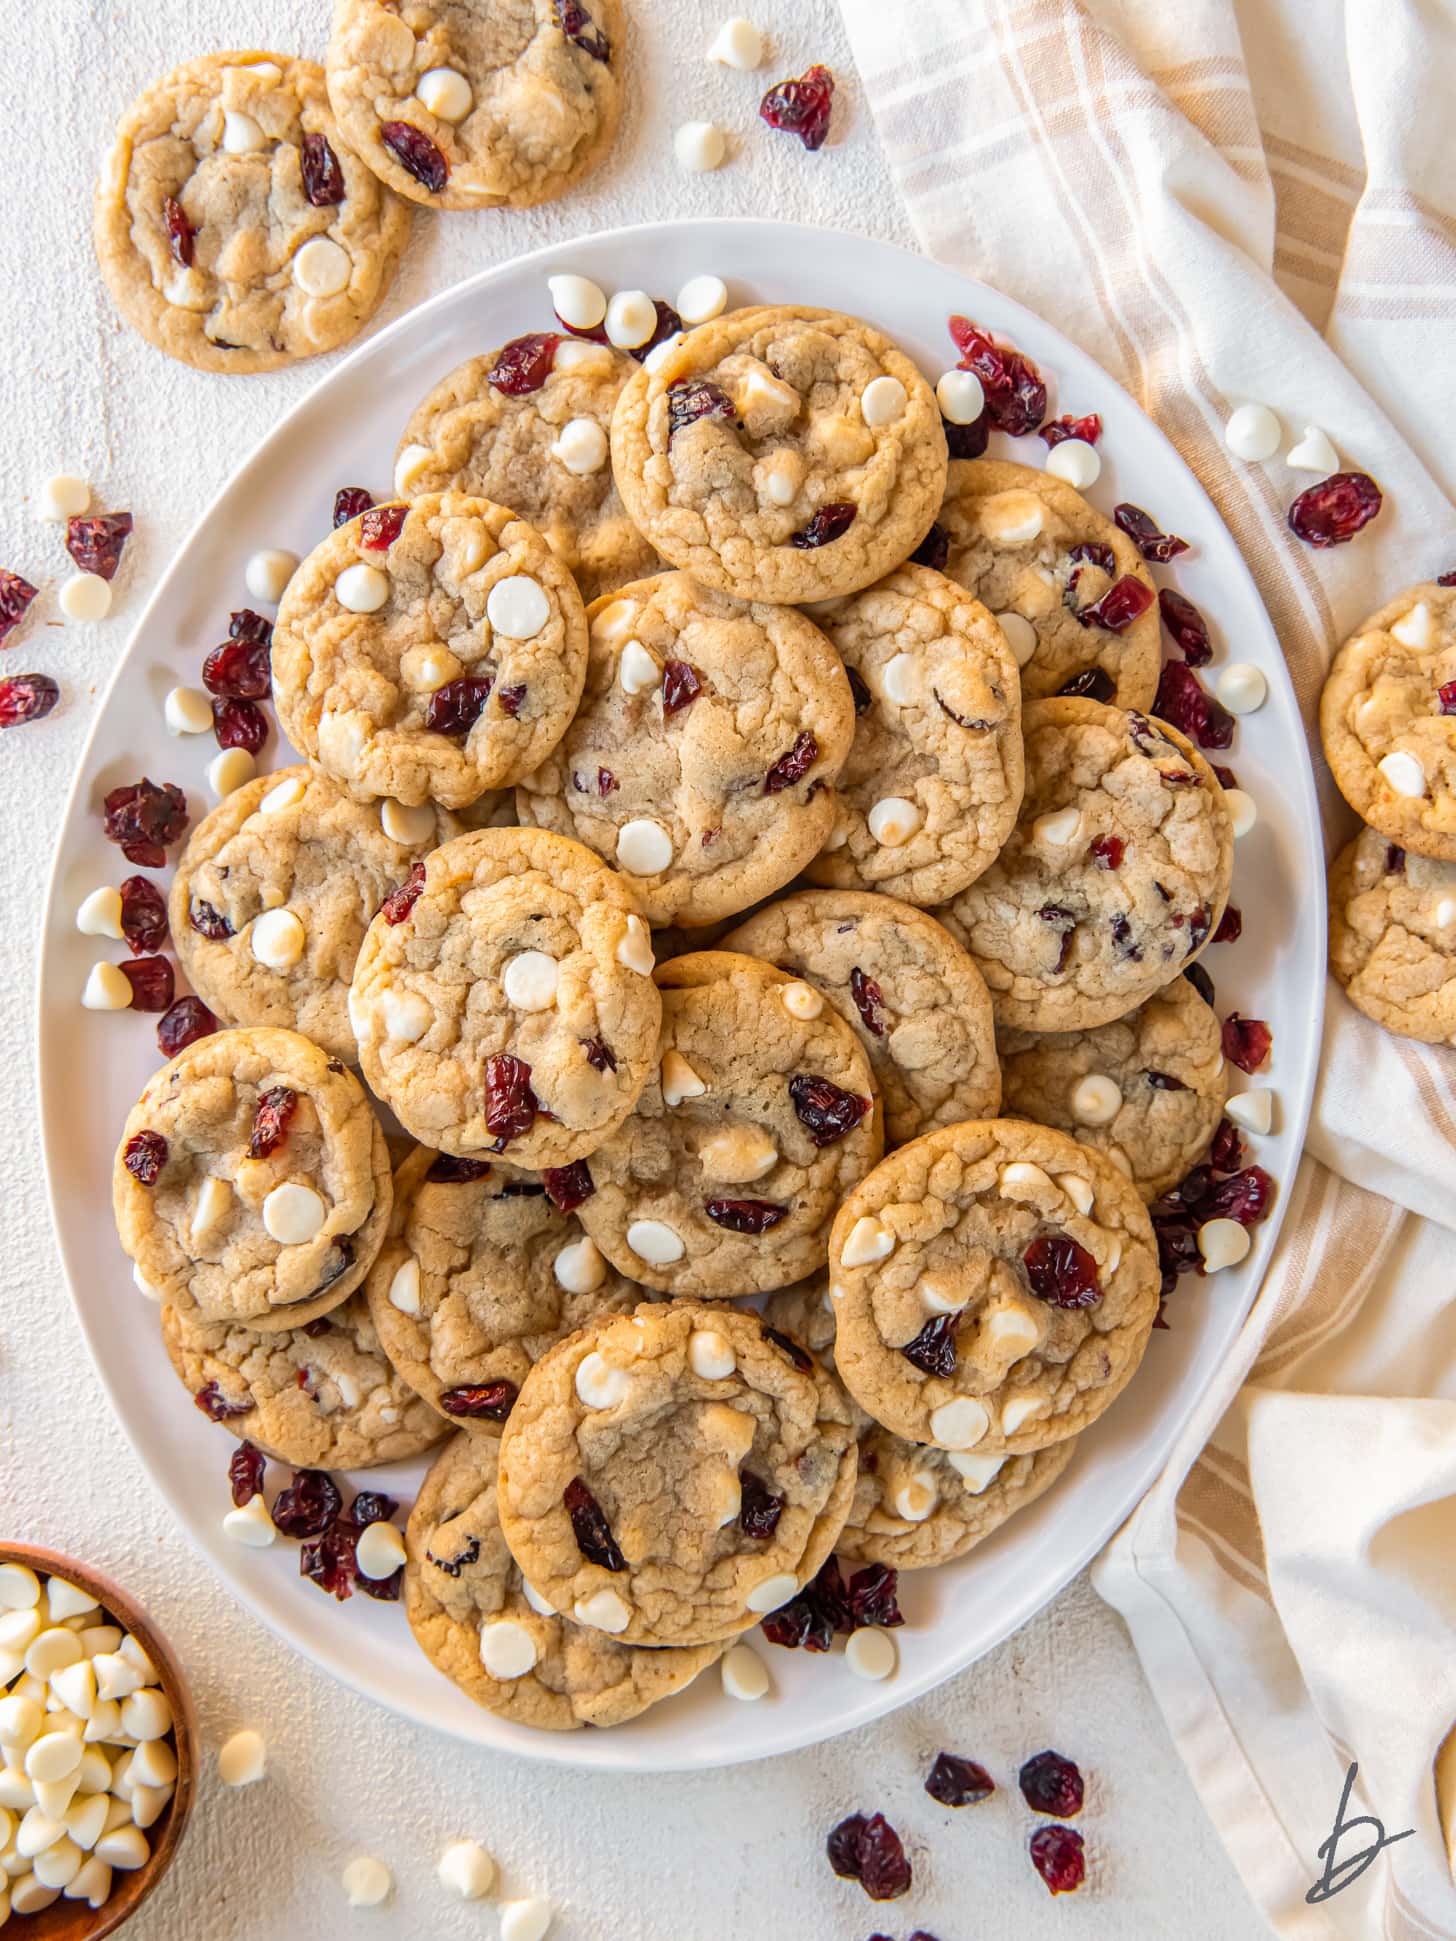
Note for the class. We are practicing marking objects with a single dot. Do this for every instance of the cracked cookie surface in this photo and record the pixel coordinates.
(781, 454)
(234, 226)
(1393, 937)
(701, 758)
(672, 1476)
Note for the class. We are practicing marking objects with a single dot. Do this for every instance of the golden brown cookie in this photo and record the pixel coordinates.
(1393, 937)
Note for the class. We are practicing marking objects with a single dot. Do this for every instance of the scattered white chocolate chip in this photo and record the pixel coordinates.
(411, 826)
(187, 711)
(250, 1524)
(1077, 1190)
(64, 497)
(361, 588)
(773, 1591)
(380, 1550)
(737, 43)
(580, 303)
(654, 1242)
(1018, 1410)
(576, 354)
(603, 1611)
(699, 147)
(507, 1649)
(268, 572)
(581, 446)
(870, 1653)
(243, 1759)
(1060, 828)
(1223, 1243)
(1096, 1100)
(643, 847)
(1074, 461)
(1242, 688)
(85, 596)
(659, 353)
(526, 1920)
(321, 268)
(883, 401)
(1020, 636)
(915, 1499)
(1254, 1111)
(293, 1214)
(894, 820)
(404, 1288)
(579, 1266)
(631, 318)
(466, 1869)
(679, 1080)
(711, 1355)
(745, 1675)
(445, 92)
(1019, 1180)
(410, 467)
(277, 938)
(286, 794)
(634, 950)
(1403, 772)
(99, 914)
(598, 1384)
(1253, 432)
(241, 134)
(367, 1882)
(801, 1000)
(868, 1240)
(106, 989)
(978, 1472)
(230, 770)
(960, 397)
(1012, 518)
(1416, 629)
(530, 980)
(1242, 809)
(701, 298)
(517, 607)
(637, 670)
(1314, 452)
(901, 680)
(959, 1423)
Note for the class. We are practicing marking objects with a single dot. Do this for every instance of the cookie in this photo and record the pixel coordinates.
(781, 454)
(1147, 1090)
(672, 1476)
(912, 996)
(322, 1396)
(701, 759)
(1393, 937)
(1115, 877)
(977, 1304)
(252, 1180)
(485, 1269)
(1032, 550)
(504, 999)
(931, 788)
(477, 1621)
(757, 1120)
(1388, 721)
(468, 104)
(429, 652)
(275, 890)
(234, 226)
(527, 426)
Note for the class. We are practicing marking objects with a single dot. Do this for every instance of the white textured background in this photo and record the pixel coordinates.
(677, 1859)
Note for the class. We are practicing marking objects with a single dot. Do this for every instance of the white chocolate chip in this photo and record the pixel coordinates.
(277, 938)
(410, 826)
(1074, 461)
(745, 1675)
(1404, 773)
(960, 397)
(530, 980)
(143, 1285)
(241, 134)
(404, 1288)
(361, 588)
(679, 1080)
(1077, 1190)
(1254, 1111)
(1018, 1410)
(405, 1016)
(148, 1803)
(915, 1499)
(779, 477)
(737, 1155)
(268, 572)
(801, 1000)
(1096, 1100)
(1415, 629)
(959, 1423)
(758, 390)
(1020, 636)
(631, 318)
(1012, 518)
(576, 354)
(1243, 811)
(28, 1896)
(598, 1384)
(53, 1756)
(737, 43)
(410, 467)
(67, 1600)
(250, 1524)
(935, 1299)
(1061, 828)
(659, 353)
(367, 1882)
(637, 670)
(187, 711)
(86, 1815)
(772, 1592)
(979, 1472)
(380, 1550)
(321, 268)
(868, 1240)
(154, 1764)
(20, 1722)
(1314, 453)
(711, 1355)
(1222, 1243)
(243, 1758)
(1013, 1330)
(230, 770)
(634, 950)
(286, 794)
(883, 401)
(445, 92)
(63, 497)
(699, 147)
(425, 668)
(581, 446)
(294, 1214)
(1020, 1180)
(465, 1868)
(643, 847)
(19, 1587)
(701, 298)
(100, 913)
(1253, 432)
(213, 1204)
(894, 820)
(579, 1266)
(654, 1242)
(147, 1714)
(517, 607)
(49, 1651)
(1445, 913)
(526, 1920)
(1242, 688)
(536, 1601)
(579, 302)
(106, 989)
(116, 1677)
(870, 1653)
(902, 679)
(603, 1611)
(85, 596)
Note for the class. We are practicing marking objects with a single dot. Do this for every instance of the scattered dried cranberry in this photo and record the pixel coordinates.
(143, 914)
(606, 782)
(958, 1782)
(320, 1326)
(239, 724)
(826, 1111)
(933, 550)
(577, 25)
(869, 1001)
(309, 1505)
(145, 1156)
(276, 1108)
(873, 1597)
(1123, 602)
(593, 1534)
(870, 1851)
(1230, 926)
(398, 904)
(1055, 430)
(1333, 511)
(349, 502)
(16, 595)
(1226, 777)
(800, 1357)
(793, 766)
(487, 1401)
(381, 526)
(968, 441)
(696, 398)
(1052, 1785)
(1244, 1197)
(812, 1618)
(216, 1406)
(328, 1559)
(1183, 700)
(668, 324)
(207, 921)
(1165, 1082)
(1446, 696)
(1246, 1041)
(447, 1170)
(859, 692)
(829, 523)
(239, 670)
(1107, 851)
(1226, 1154)
(934, 1348)
(759, 1516)
(1092, 684)
(509, 699)
(567, 1187)
(153, 983)
(246, 1473)
(1199, 978)
(510, 1104)
(371, 1506)
(1061, 1273)
(142, 819)
(452, 1566)
(801, 107)
(416, 154)
(181, 237)
(1056, 1853)
(524, 364)
(744, 1216)
(680, 686)
(96, 544)
(1153, 544)
(1016, 398)
(599, 1055)
(1187, 626)
(455, 708)
(188, 1020)
(1446, 579)
(323, 178)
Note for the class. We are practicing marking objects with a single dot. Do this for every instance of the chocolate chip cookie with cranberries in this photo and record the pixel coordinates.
(994, 1286)
(485, 1269)
(672, 1476)
(252, 1181)
(473, 106)
(702, 758)
(1114, 879)
(1070, 590)
(503, 999)
(477, 1619)
(236, 228)
(781, 454)
(1393, 937)
(758, 1118)
(429, 651)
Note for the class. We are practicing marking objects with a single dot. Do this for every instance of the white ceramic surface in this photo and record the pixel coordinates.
(93, 1064)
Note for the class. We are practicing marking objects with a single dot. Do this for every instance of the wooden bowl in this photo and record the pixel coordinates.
(67, 1920)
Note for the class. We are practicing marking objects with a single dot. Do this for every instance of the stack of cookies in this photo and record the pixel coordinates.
(799, 926)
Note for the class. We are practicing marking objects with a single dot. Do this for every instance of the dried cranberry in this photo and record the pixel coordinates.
(800, 1357)
(510, 1104)
(143, 914)
(397, 905)
(349, 502)
(1394, 859)
(869, 1001)
(1092, 552)
(1230, 926)
(829, 523)
(239, 724)
(958, 1782)
(207, 921)
(271, 1121)
(1246, 1041)
(1243, 1197)
(320, 1326)
(509, 699)
(447, 1170)
(1052, 1785)
(870, 1851)
(371, 1506)
(1061, 1273)
(1187, 626)
(309, 1505)
(1107, 851)
(668, 324)
(744, 1216)
(416, 154)
(1199, 978)
(793, 766)
(1226, 1154)
(1183, 700)
(1226, 777)
(1333, 511)
(323, 178)
(145, 1156)
(486, 1401)
(801, 107)
(384, 1590)
(181, 237)
(188, 1020)
(680, 686)
(593, 1534)
(568, 1186)
(452, 1566)
(96, 544)
(239, 670)
(599, 1055)
(873, 1598)
(968, 441)
(696, 398)
(1446, 579)
(826, 1111)
(934, 1348)
(1065, 922)
(1092, 684)
(380, 526)
(606, 782)
(245, 624)
(524, 364)
(811, 1618)
(328, 1559)
(1165, 1082)
(933, 550)
(1056, 1853)
(142, 819)
(16, 595)
(1016, 398)
(246, 1473)
(455, 708)
(216, 1406)
(1055, 430)
(1122, 937)
(153, 983)
(577, 25)
(1151, 543)
(1123, 602)
(1446, 696)
(759, 1516)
